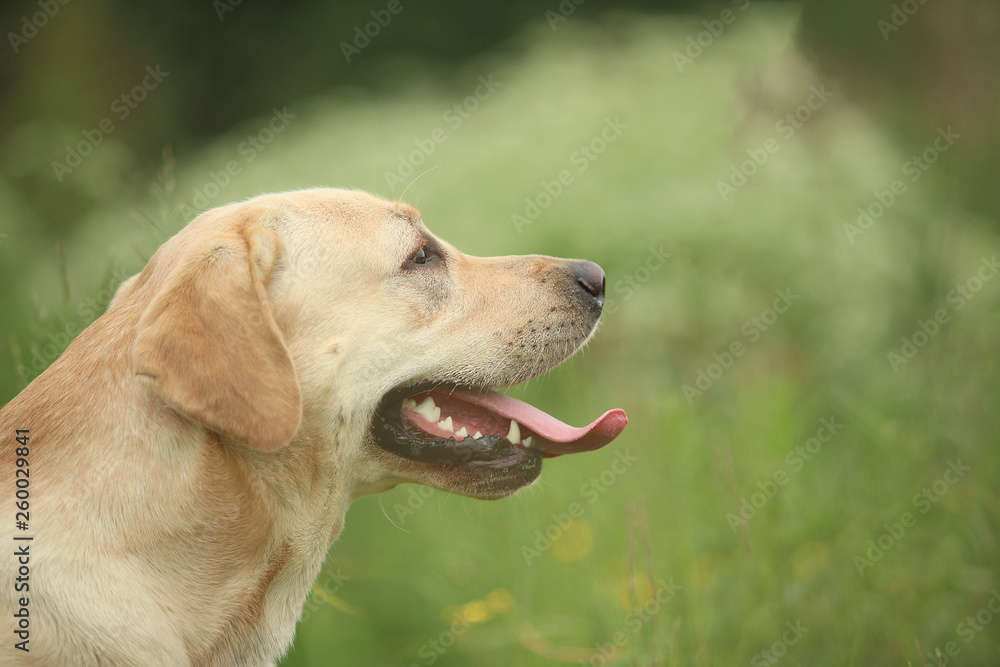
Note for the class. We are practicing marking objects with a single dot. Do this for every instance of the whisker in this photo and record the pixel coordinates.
(400, 198)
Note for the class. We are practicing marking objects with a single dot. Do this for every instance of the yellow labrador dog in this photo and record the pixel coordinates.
(189, 459)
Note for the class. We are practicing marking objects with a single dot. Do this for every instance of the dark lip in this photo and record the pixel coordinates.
(494, 452)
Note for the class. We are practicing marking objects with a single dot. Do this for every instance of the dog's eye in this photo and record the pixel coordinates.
(427, 255)
(420, 257)
(424, 256)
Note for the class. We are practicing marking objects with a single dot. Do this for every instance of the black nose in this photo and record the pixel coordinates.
(590, 276)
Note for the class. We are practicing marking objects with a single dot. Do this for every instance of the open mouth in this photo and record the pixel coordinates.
(455, 426)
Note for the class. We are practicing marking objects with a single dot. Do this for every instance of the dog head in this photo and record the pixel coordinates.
(335, 320)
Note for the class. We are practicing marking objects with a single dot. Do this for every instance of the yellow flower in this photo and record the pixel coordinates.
(477, 611)
(641, 587)
(500, 600)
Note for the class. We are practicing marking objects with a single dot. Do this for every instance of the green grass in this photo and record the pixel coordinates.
(665, 517)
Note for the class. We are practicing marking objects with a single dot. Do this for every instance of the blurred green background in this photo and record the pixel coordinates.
(796, 209)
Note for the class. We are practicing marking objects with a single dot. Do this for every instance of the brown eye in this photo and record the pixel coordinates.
(428, 255)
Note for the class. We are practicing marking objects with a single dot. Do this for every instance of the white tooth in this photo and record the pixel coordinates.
(409, 404)
(446, 425)
(515, 433)
(527, 441)
(461, 433)
(428, 410)
(425, 405)
(478, 435)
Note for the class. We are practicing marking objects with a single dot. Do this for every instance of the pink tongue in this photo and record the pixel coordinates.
(559, 438)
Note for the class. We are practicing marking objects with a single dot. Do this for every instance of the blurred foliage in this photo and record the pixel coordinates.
(228, 61)
(918, 65)
(416, 569)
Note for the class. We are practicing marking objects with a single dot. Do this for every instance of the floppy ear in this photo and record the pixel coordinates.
(208, 344)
